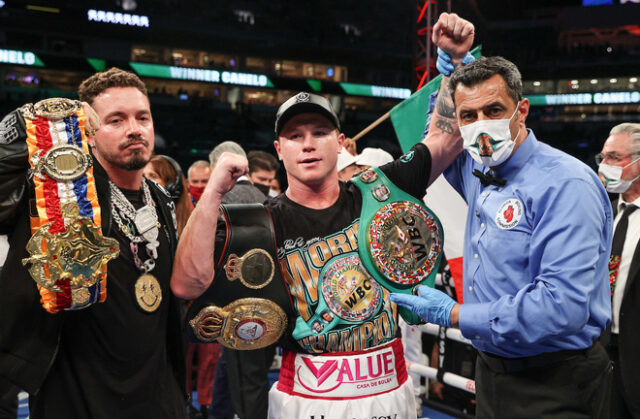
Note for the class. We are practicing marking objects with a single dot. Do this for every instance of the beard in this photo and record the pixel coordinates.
(136, 162)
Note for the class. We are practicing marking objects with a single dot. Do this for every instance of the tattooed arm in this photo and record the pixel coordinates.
(454, 35)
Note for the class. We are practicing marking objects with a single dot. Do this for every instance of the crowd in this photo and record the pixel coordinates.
(120, 244)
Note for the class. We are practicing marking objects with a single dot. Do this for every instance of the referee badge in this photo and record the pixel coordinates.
(509, 214)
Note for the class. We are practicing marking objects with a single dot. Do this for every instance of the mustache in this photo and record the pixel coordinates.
(132, 140)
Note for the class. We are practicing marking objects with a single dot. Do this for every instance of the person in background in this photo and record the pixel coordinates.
(197, 177)
(262, 170)
(346, 165)
(372, 157)
(163, 171)
(275, 188)
(619, 169)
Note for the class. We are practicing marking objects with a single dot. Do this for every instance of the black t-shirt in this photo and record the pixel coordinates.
(307, 239)
(112, 360)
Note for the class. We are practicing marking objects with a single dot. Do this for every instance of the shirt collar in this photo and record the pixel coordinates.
(519, 157)
(621, 202)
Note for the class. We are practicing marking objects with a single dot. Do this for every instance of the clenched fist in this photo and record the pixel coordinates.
(454, 35)
(226, 173)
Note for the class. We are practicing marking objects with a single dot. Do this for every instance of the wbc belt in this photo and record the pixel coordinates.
(69, 255)
(399, 247)
(399, 238)
(247, 304)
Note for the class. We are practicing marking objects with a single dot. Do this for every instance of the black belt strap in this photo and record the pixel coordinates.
(503, 365)
(249, 227)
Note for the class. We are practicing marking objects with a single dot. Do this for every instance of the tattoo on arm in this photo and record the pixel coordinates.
(445, 106)
(445, 110)
(445, 126)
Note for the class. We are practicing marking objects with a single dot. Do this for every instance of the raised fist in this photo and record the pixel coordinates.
(226, 173)
(454, 35)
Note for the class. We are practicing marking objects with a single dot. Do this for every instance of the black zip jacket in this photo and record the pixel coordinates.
(29, 335)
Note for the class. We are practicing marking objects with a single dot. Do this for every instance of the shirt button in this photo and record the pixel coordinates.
(483, 194)
(476, 256)
(482, 225)
(477, 336)
(470, 288)
(516, 340)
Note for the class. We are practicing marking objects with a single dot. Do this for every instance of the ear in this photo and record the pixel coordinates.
(276, 144)
(341, 140)
(523, 109)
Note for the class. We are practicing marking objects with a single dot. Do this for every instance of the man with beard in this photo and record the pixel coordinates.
(122, 355)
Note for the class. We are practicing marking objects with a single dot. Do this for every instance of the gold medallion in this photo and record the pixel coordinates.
(148, 293)
(254, 269)
(247, 323)
(78, 254)
(368, 176)
(62, 163)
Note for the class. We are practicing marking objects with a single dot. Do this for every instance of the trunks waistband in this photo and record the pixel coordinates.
(344, 375)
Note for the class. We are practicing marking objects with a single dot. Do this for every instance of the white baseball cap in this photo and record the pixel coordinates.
(374, 157)
(345, 159)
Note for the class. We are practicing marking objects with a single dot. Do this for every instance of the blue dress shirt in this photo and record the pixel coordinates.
(536, 253)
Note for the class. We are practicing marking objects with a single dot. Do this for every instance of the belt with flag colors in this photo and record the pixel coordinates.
(69, 255)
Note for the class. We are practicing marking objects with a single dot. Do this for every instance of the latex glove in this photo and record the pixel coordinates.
(443, 63)
(431, 305)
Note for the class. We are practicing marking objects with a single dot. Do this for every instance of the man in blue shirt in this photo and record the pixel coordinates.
(537, 243)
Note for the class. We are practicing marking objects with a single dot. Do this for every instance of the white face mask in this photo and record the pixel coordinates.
(489, 141)
(611, 176)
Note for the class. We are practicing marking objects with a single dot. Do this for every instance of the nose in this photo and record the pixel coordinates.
(133, 127)
(309, 142)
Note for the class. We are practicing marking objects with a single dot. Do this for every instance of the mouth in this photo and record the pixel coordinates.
(134, 145)
(309, 161)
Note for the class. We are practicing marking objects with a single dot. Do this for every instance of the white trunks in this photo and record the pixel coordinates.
(352, 385)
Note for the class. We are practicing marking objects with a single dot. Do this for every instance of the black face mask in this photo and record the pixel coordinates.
(262, 188)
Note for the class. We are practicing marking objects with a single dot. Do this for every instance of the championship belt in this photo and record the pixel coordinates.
(348, 295)
(69, 255)
(247, 304)
(399, 238)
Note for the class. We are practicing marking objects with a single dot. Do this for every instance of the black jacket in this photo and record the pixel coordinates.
(29, 335)
(628, 323)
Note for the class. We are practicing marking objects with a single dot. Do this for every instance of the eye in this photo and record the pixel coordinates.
(320, 132)
(115, 121)
(495, 111)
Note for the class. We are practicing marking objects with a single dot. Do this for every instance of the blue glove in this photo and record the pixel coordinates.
(443, 63)
(431, 305)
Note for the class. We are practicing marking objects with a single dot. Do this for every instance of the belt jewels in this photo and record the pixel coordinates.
(69, 255)
(349, 296)
(399, 239)
(247, 323)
